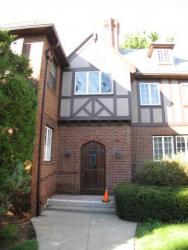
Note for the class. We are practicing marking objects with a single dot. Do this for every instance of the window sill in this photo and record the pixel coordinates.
(151, 105)
(51, 162)
(83, 95)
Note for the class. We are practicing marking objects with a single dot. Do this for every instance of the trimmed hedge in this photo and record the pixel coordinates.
(164, 173)
(140, 203)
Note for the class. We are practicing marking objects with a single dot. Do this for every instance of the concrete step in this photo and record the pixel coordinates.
(81, 209)
(82, 203)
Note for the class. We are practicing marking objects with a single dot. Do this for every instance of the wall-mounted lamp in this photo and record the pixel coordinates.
(67, 153)
(118, 155)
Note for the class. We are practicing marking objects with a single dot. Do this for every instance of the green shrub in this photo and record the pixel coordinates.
(140, 203)
(18, 102)
(163, 173)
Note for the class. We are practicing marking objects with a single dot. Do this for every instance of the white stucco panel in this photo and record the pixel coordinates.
(35, 58)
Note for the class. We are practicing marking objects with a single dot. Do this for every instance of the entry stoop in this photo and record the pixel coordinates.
(81, 203)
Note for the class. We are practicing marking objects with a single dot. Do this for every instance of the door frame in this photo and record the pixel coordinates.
(81, 186)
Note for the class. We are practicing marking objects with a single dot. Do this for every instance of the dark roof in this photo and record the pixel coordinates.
(42, 29)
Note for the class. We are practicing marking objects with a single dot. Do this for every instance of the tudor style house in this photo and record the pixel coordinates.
(102, 112)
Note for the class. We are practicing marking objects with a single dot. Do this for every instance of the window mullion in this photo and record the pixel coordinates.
(172, 145)
(149, 88)
(100, 79)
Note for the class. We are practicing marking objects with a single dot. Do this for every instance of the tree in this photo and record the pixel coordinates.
(139, 40)
(17, 120)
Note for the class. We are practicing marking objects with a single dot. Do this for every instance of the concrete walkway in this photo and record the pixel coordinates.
(60, 230)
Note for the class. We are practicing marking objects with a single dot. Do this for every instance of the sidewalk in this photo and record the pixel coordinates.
(59, 230)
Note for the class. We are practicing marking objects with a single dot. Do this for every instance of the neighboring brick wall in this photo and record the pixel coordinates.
(114, 137)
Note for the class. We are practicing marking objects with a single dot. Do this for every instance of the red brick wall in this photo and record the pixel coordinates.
(142, 147)
(114, 137)
(48, 169)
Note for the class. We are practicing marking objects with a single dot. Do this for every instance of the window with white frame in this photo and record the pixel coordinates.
(163, 147)
(149, 93)
(93, 82)
(184, 90)
(48, 144)
(182, 145)
(164, 56)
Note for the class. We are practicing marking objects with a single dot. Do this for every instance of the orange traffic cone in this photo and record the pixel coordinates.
(106, 199)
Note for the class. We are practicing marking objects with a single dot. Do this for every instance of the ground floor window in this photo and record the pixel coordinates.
(163, 146)
(48, 144)
(182, 145)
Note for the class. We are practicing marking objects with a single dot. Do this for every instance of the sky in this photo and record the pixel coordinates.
(76, 19)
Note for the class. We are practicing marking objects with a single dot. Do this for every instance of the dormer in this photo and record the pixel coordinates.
(162, 53)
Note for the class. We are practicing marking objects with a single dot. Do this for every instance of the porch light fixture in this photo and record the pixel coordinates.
(118, 155)
(67, 153)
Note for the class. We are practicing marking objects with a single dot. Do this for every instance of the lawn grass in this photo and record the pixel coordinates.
(158, 236)
(10, 239)
(26, 245)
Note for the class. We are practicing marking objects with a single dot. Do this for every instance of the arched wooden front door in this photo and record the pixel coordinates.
(92, 168)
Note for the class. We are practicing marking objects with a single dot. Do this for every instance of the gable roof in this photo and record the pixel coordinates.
(47, 29)
(85, 41)
(95, 37)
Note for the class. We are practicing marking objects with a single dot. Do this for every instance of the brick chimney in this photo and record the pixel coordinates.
(111, 29)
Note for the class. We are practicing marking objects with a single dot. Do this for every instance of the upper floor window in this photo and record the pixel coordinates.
(149, 94)
(164, 56)
(162, 147)
(48, 144)
(184, 88)
(93, 82)
(52, 78)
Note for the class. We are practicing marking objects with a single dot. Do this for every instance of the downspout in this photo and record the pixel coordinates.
(47, 55)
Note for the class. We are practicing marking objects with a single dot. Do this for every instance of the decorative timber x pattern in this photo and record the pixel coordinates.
(93, 108)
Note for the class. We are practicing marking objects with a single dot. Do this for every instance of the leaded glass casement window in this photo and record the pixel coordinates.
(149, 93)
(163, 147)
(184, 91)
(182, 145)
(93, 83)
(164, 56)
(52, 77)
(48, 144)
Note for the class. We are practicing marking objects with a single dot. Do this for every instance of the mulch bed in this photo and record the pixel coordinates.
(25, 228)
